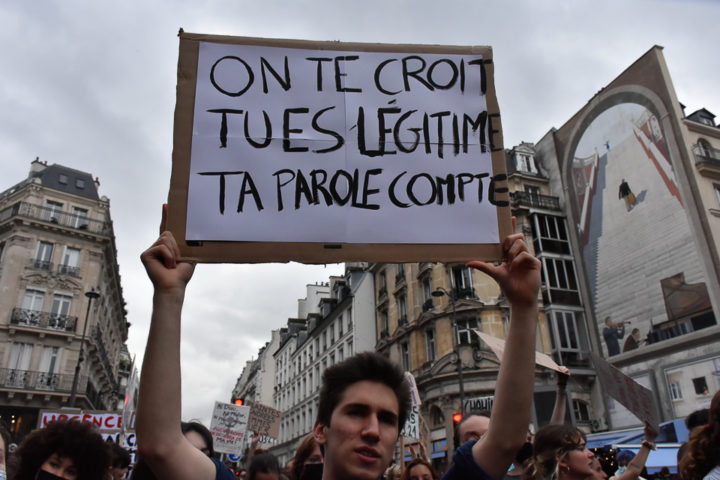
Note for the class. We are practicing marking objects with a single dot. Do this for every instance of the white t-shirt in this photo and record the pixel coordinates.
(714, 474)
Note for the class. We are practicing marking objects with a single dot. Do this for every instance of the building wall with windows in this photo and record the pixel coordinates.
(650, 259)
(56, 244)
(704, 138)
(335, 320)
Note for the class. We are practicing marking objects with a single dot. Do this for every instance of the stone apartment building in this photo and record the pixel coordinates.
(420, 305)
(60, 295)
(335, 326)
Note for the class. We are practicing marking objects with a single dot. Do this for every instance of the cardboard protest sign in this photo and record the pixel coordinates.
(228, 427)
(482, 404)
(414, 394)
(263, 419)
(411, 429)
(632, 395)
(498, 347)
(323, 151)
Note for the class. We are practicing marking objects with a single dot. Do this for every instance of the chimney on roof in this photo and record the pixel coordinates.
(36, 166)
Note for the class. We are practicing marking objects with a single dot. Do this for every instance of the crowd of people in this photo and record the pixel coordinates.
(363, 404)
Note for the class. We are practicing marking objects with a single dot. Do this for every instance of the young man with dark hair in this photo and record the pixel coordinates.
(364, 402)
(363, 407)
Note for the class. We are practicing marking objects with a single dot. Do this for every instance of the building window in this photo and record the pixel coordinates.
(402, 310)
(62, 179)
(461, 278)
(49, 366)
(43, 256)
(568, 338)
(399, 273)
(382, 282)
(350, 347)
(675, 391)
(525, 163)
(33, 300)
(80, 183)
(717, 192)
(465, 334)
(701, 387)
(79, 217)
(430, 345)
(560, 281)
(52, 211)
(550, 234)
(70, 260)
(332, 333)
(349, 320)
(405, 356)
(384, 324)
(340, 327)
(581, 411)
(341, 354)
(59, 310)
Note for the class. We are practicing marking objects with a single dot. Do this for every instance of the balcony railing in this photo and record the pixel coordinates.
(100, 345)
(30, 380)
(45, 320)
(706, 156)
(38, 264)
(532, 200)
(69, 270)
(50, 215)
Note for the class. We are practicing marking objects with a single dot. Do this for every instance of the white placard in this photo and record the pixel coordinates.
(300, 145)
(228, 426)
(411, 429)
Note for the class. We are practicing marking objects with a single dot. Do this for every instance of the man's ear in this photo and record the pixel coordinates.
(320, 432)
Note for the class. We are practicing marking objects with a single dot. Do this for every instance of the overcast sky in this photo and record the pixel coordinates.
(91, 85)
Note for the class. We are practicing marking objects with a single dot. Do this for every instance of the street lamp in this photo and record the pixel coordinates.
(439, 292)
(92, 294)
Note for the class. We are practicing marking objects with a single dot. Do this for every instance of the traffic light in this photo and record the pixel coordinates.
(239, 401)
(457, 418)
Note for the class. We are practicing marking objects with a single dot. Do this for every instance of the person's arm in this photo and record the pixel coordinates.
(519, 278)
(558, 415)
(636, 465)
(160, 440)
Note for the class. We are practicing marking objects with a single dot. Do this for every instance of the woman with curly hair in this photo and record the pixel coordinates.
(559, 452)
(70, 450)
(702, 459)
(419, 469)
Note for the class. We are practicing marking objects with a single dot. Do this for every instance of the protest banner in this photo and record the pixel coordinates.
(321, 151)
(263, 419)
(497, 345)
(228, 427)
(109, 424)
(632, 395)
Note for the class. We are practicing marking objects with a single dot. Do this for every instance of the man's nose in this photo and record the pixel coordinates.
(371, 428)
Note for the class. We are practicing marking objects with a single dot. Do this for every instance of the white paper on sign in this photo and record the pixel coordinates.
(289, 148)
(414, 394)
(632, 395)
(497, 345)
(228, 426)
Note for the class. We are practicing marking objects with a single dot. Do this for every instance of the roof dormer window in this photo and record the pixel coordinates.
(525, 163)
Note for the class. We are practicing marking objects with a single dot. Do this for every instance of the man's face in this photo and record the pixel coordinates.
(360, 440)
(473, 428)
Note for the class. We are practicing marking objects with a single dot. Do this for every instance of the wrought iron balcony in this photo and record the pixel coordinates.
(38, 264)
(100, 345)
(50, 215)
(30, 380)
(707, 158)
(69, 270)
(532, 200)
(44, 320)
